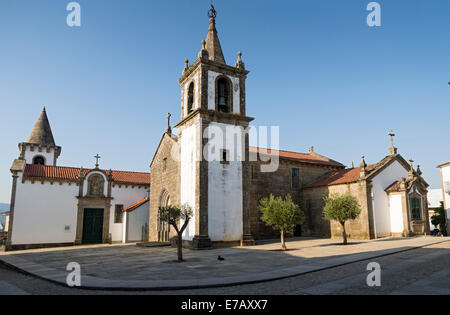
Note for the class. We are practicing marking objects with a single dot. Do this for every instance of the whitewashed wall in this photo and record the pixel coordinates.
(189, 145)
(135, 222)
(48, 156)
(212, 91)
(384, 179)
(126, 196)
(396, 213)
(446, 178)
(225, 196)
(42, 211)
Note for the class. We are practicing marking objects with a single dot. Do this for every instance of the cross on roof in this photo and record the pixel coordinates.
(96, 160)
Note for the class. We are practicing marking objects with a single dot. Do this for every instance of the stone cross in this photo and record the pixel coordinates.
(392, 149)
(96, 160)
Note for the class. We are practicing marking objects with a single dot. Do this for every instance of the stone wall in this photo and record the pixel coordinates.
(361, 228)
(279, 184)
(168, 179)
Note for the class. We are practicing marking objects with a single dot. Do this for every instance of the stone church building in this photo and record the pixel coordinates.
(224, 185)
(209, 165)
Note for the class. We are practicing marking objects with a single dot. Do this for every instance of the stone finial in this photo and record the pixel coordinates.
(239, 63)
(203, 54)
(411, 170)
(169, 129)
(110, 176)
(311, 149)
(392, 149)
(363, 165)
(403, 183)
(353, 165)
(186, 65)
(419, 172)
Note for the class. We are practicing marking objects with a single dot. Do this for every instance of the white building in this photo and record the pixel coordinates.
(445, 177)
(53, 205)
(435, 198)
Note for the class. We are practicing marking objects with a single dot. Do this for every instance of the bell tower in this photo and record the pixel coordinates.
(213, 139)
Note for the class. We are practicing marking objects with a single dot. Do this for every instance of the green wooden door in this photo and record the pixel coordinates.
(92, 226)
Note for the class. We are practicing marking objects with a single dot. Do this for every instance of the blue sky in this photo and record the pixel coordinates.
(317, 70)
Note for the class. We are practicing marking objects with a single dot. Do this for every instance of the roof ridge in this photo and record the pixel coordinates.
(86, 169)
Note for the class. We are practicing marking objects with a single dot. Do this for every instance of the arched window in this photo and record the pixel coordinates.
(39, 160)
(416, 208)
(223, 95)
(96, 185)
(190, 106)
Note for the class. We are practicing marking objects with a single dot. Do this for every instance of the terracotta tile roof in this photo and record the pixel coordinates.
(349, 175)
(137, 204)
(395, 186)
(71, 174)
(309, 158)
(444, 164)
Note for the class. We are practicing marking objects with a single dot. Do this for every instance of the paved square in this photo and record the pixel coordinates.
(131, 266)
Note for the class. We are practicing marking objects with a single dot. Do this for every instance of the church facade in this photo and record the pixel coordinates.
(224, 184)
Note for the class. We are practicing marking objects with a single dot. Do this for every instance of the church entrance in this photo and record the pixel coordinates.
(163, 227)
(92, 226)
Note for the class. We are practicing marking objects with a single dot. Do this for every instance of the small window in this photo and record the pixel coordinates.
(223, 95)
(118, 217)
(190, 106)
(295, 178)
(224, 157)
(165, 165)
(39, 160)
(415, 208)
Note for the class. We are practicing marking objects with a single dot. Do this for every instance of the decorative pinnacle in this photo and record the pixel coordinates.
(418, 170)
(186, 64)
(169, 129)
(363, 165)
(239, 64)
(203, 44)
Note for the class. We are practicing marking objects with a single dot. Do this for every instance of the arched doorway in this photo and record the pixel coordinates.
(163, 227)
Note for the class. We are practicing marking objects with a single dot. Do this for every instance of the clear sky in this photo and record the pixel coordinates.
(317, 71)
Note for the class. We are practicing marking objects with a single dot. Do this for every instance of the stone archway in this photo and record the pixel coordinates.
(163, 228)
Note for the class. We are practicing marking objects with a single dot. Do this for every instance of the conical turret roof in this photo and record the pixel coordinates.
(42, 132)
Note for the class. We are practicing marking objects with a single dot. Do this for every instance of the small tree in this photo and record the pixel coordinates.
(281, 214)
(173, 215)
(341, 208)
(439, 219)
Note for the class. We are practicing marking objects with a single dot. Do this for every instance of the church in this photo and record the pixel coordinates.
(54, 206)
(224, 185)
(222, 182)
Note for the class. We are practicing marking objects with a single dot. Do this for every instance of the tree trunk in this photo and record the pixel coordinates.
(344, 233)
(180, 247)
(283, 244)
